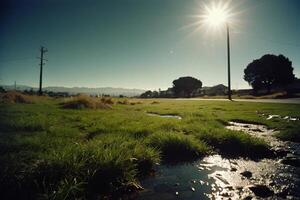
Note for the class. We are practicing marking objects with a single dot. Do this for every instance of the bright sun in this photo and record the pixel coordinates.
(216, 15)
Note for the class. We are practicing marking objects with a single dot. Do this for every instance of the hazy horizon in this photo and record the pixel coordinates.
(139, 44)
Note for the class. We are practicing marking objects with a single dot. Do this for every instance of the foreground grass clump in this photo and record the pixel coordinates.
(99, 169)
(84, 101)
(232, 143)
(15, 97)
(177, 147)
(289, 135)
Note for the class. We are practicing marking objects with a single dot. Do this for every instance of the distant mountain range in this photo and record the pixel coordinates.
(75, 90)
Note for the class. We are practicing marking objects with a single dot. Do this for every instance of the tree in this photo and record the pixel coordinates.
(147, 94)
(185, 86)
(268, 72)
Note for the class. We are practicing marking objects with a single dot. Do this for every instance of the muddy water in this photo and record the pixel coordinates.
(215, 177)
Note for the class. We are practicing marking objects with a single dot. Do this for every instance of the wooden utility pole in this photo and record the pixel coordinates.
(43, 50)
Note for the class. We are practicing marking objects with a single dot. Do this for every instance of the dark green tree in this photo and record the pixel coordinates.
(147, 94)
(185, 86)
(269, 71)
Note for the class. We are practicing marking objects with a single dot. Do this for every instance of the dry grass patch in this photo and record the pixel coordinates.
(107, 100)
(123, 102)
(84, 101)
(15, 97)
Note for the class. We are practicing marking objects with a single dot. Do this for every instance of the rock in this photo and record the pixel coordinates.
(261, 190)
(256, 130)
(233, 169)
(229, 187)
(293, 161)
(193, 189)
(247, 174)
(225, 194)
(177, 193)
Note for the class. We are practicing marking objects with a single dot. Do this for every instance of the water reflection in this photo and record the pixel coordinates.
(165, 115)
(215, 177)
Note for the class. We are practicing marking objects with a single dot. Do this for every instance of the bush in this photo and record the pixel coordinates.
(83, 101)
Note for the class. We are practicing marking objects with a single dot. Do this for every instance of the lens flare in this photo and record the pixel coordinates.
(216, 15)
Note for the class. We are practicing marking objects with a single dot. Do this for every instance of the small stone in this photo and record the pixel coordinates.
(233, 169)
(246, 174)
(177, 193)
(193, 189)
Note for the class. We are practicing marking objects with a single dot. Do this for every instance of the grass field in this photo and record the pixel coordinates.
(51, 152)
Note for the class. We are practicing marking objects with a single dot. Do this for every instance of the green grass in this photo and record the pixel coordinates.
(49, 152)
(177, 147)
(292, 134)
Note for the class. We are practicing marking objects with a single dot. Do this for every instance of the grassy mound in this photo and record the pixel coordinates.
(15, 97)
(84, 101)
(232, 143)
(177, 147)
(289, 135)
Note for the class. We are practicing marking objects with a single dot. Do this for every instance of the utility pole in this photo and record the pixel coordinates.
(228, 60)
(42, 50)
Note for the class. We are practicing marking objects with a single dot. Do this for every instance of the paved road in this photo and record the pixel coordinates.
(290, 101)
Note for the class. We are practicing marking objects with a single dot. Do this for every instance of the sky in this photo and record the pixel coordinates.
(143, 44)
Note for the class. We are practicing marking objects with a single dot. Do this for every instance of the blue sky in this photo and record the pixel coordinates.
(139, 43)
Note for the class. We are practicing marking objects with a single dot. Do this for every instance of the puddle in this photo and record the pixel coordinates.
(164, 116)
(269, 117)
(215, 177)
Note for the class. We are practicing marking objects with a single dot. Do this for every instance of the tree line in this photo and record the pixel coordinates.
(270, 72)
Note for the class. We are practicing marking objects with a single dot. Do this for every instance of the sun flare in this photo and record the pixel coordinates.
(216, 15)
